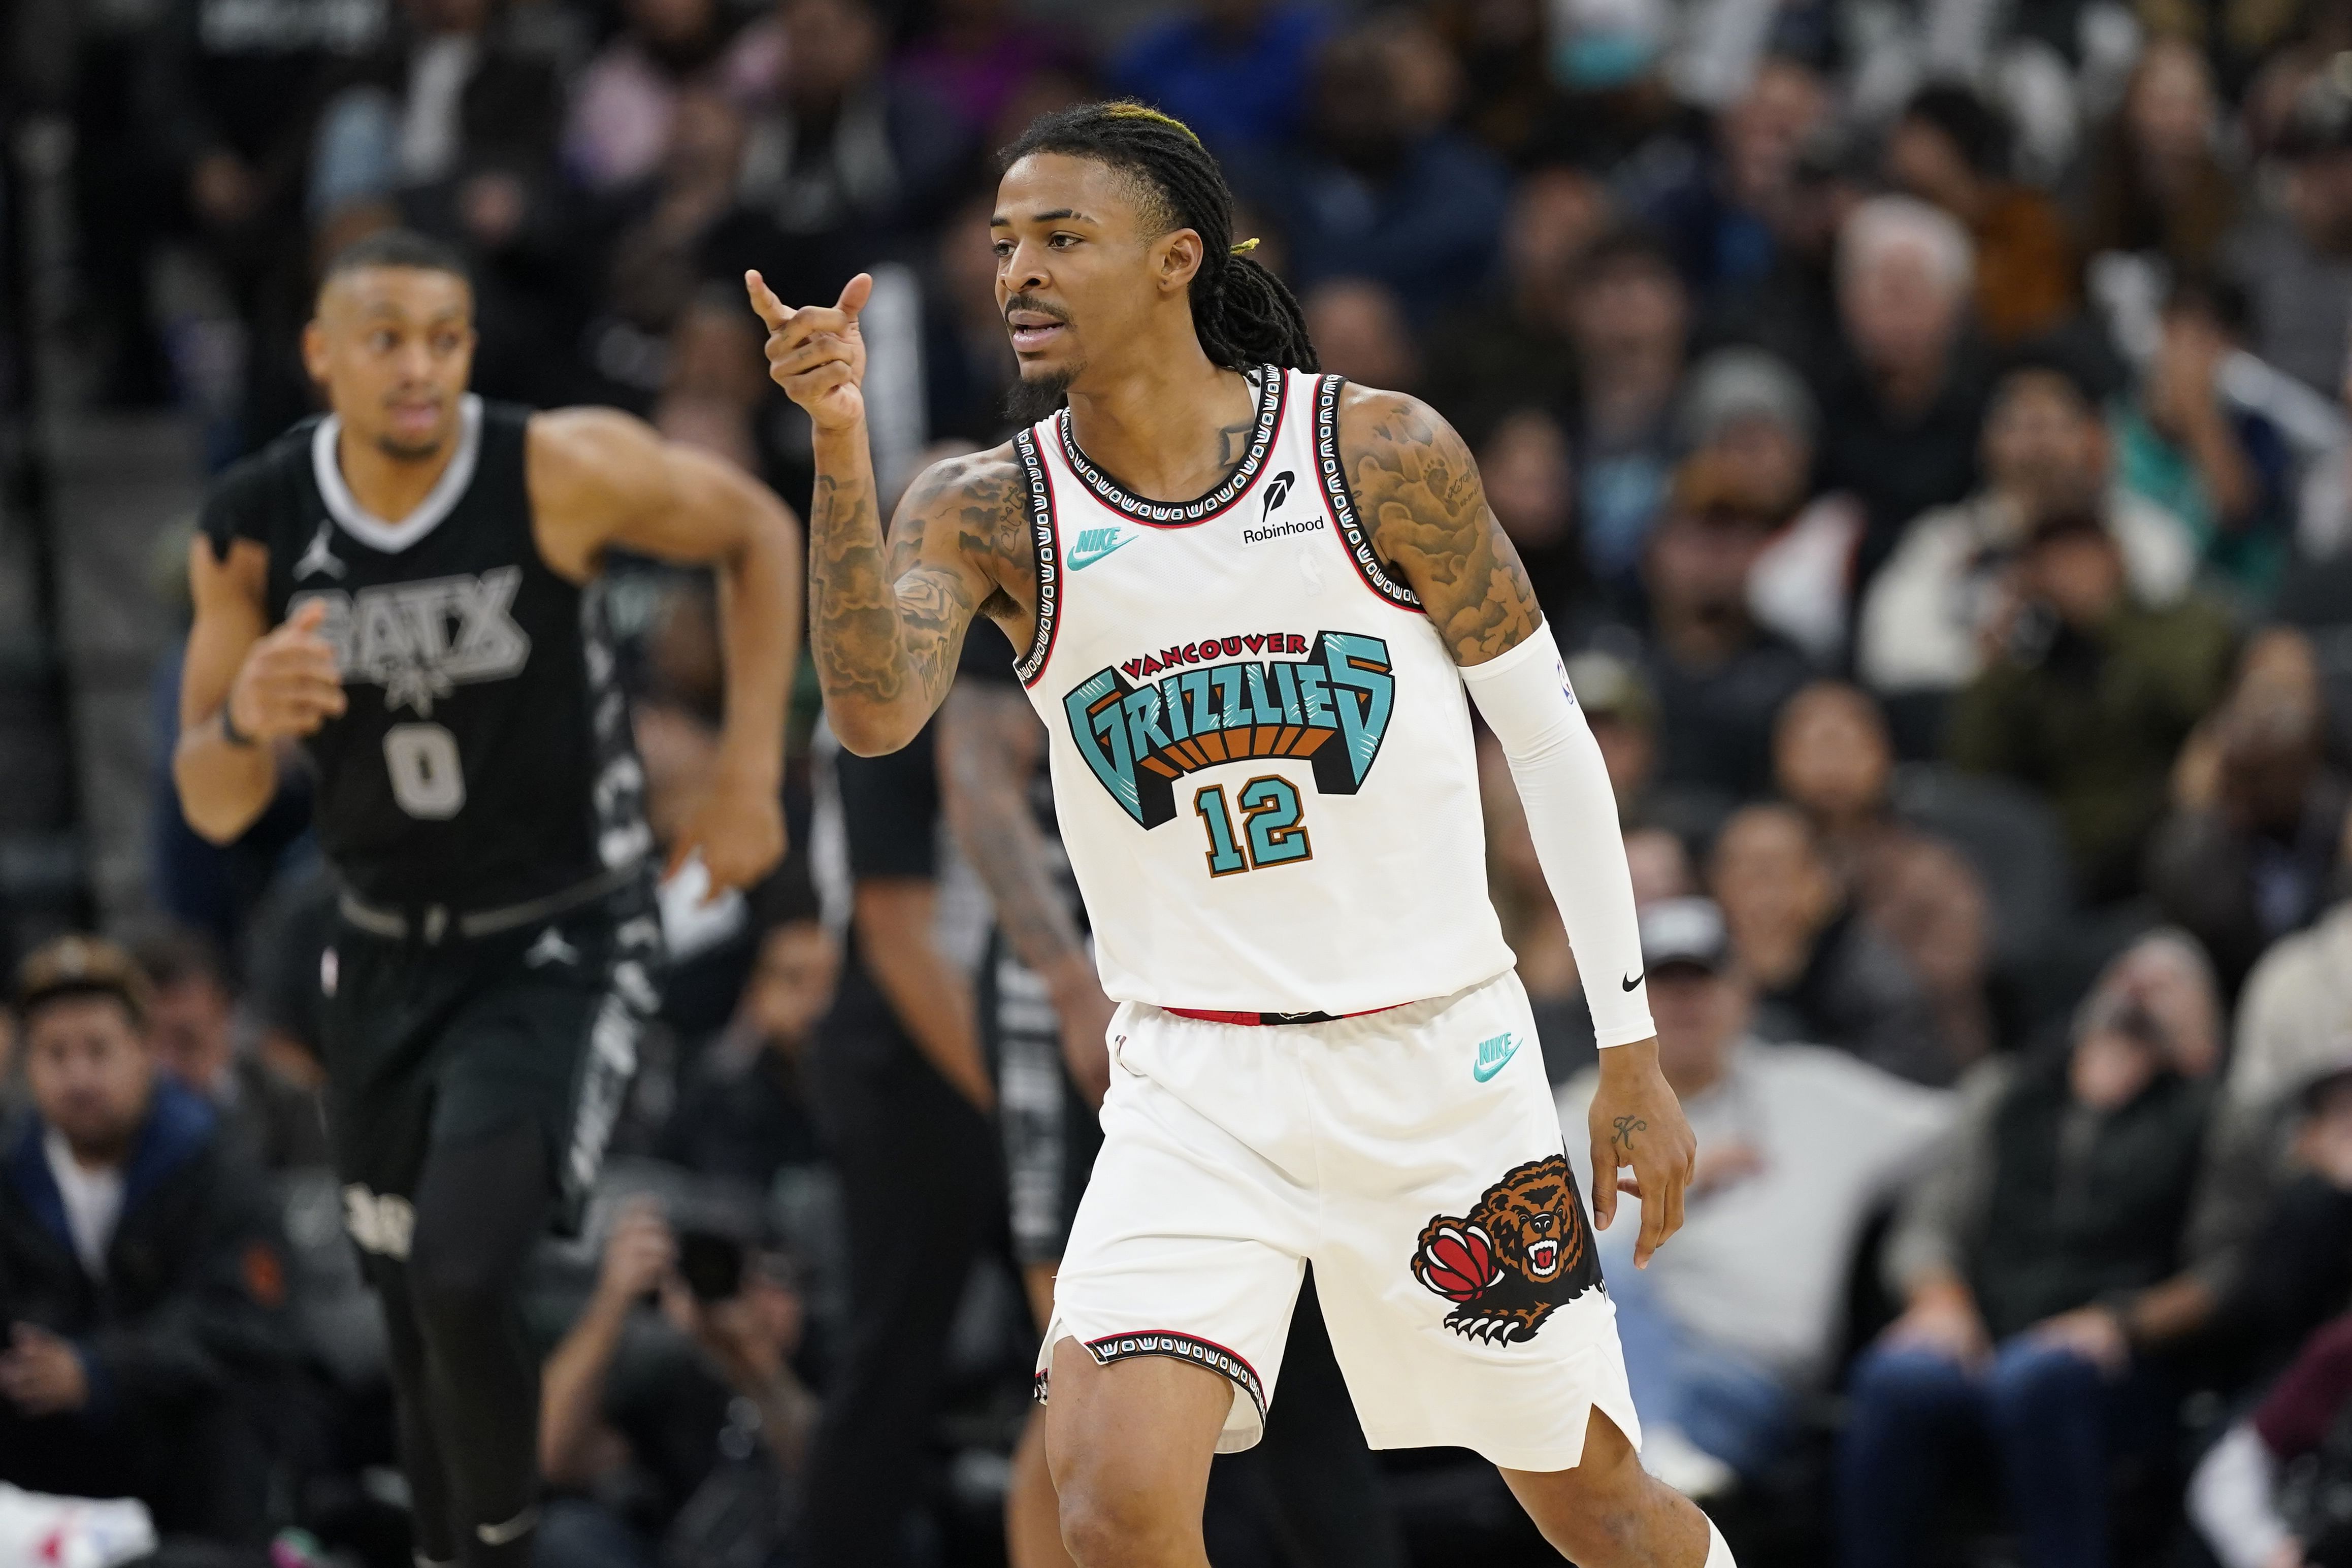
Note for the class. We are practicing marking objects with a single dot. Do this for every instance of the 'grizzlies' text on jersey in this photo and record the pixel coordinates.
(1262, 758)
(485, 757)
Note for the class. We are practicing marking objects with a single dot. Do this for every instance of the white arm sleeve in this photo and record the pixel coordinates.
(2230, 1499)
(1572, 816)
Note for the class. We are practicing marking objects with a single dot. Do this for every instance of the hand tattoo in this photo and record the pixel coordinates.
(1626, 1127)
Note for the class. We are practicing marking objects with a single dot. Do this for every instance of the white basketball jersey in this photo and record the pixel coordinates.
(1261, 757)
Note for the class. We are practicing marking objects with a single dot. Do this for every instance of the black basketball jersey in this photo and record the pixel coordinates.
(485, 757)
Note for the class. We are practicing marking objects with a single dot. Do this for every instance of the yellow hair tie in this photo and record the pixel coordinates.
(1129, 110)
(1244, 248)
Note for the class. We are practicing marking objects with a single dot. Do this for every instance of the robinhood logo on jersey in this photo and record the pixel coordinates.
(1227, 699)
(421, 641)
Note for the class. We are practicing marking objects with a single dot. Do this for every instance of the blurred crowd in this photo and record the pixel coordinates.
(1923, 419)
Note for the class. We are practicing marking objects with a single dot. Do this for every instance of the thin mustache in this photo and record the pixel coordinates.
(1030, 302)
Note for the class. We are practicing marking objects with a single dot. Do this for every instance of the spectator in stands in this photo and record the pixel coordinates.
(1531, 485)
(1629, 316)
(1752, 414)
(845, 165)
(1720, 219)
(2091, 696)
(192, 1027)
(1360, 332)
(1513, 348)
(229, 94)
(1833, 759)
(1729, 1329)
(2297, 1270)
(745, 1115)
(625, 102)
(141, 1266)
(1902, 406)
(450, 129)
(1925, 621)
(2031, 1259)
(1927, 899)
(682, 1436)
(2226, 471)
(1239, 72)
(1820, 973)
(2254, 843)
(1363, 190)
(980, 59)
(652, 272)
(1952, 149)
(2157, 181)
(2239, 1499)
(2297, 265)
(1719, 677)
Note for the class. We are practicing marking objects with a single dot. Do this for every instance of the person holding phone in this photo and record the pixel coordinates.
(673, 1424)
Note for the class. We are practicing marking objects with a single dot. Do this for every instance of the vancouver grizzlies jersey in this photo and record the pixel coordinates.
(485, 757)
(1262, 758)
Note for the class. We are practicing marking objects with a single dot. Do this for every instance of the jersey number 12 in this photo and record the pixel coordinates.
(1270, 828)
(425, 778)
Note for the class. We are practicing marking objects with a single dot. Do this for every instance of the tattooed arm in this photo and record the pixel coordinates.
(1418, 494)
(887, 619)
(990, 746)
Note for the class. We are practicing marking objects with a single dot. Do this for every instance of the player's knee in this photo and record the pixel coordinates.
(1109, 1524)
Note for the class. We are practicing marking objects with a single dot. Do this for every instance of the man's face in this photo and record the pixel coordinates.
(830, 48)
(793, 984)
(1900, 314)
(1698, 1014)
(1769, 459)
(189, 1028)
(393, 348)
(2044, 444)
(90, 1072)
(1762, 132)
(1076, 274)
(2078, 574)
(1699, 565)
(1636, 306)
(1770, 880)
(1830, 752)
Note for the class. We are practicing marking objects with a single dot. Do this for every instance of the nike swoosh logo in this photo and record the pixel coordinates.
(1484, 1069)
(1081, 557)
(1635, 981)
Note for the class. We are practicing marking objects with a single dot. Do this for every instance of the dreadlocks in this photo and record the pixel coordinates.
(1241, 313)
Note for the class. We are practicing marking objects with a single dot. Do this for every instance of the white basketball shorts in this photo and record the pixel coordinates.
(1415, 1157)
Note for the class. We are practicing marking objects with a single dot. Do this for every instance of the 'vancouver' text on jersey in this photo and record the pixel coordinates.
(485, 756)
(1261, 757)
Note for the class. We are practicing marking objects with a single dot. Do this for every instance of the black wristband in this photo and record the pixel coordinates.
(230, 733)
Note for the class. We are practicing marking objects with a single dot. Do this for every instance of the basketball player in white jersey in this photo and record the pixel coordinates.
(1251, 599)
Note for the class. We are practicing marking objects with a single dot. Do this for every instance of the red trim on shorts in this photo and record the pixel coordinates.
(1211, 1015)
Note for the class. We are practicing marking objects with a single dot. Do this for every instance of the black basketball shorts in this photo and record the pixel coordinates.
(434, 1044)
(1050, 1133)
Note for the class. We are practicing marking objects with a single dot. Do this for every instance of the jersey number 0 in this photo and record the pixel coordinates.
(426, 777)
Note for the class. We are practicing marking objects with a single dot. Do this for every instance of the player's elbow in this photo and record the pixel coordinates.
(870, 731)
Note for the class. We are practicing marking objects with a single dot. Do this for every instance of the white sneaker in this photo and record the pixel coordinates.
(1684, 1465)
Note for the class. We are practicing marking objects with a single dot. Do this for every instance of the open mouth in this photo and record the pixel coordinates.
(1033, 330)
(1543, 1257)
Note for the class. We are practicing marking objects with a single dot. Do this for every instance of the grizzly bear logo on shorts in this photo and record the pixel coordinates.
(1523, 1251)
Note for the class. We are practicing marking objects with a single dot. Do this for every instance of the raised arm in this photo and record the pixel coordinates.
(600, 479)
(887, 620)
(1418, 490)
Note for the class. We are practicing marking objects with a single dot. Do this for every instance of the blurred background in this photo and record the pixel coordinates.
(1924, 420)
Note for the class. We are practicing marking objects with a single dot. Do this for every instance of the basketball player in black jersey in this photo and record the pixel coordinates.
(408, 587)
